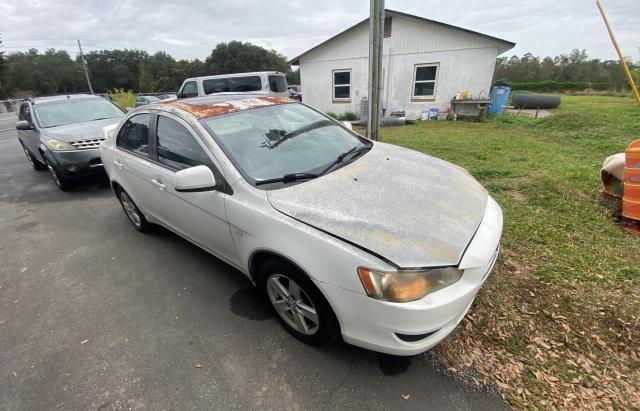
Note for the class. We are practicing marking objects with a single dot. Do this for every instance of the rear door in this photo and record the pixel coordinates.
(131, 162)
(198, 216)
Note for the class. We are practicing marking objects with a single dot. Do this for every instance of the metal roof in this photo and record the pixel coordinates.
(296, 60)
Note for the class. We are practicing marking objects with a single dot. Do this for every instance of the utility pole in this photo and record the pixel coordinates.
(627, 73)
(84, 64)
(376, 22)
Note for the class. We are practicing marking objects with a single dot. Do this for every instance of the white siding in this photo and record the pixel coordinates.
(458, 70)
(418, 36)
(466, 62)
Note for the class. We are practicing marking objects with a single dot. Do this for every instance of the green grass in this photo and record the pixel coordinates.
(562, 252)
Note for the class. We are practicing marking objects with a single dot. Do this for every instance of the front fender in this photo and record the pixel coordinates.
(256, 226)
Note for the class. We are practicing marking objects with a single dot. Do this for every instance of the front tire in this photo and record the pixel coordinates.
(33, 162)
(62, 183)
(301, 308)
(132, 211)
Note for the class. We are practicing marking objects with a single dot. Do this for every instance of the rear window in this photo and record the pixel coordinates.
(277, 84)
(232, 84)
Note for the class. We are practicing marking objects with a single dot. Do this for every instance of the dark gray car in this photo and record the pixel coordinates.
(63, 133)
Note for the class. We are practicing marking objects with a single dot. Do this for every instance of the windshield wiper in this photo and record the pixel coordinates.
(341, 157)
(288, 178)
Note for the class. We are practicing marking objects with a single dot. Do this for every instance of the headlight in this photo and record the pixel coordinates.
(57, 145)
(404, 286)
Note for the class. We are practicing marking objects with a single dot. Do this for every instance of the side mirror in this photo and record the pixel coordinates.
(23, 125)
(347, 125)
(109, 131)
(194, 179)
(129, 109)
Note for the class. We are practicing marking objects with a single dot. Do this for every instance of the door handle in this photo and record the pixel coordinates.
(158, 184)
(117, 164)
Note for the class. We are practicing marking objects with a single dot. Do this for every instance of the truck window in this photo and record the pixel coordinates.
(232, 84)
(277, 83)
(190, 89)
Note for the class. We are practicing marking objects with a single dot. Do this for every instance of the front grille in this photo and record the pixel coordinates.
(88, 143)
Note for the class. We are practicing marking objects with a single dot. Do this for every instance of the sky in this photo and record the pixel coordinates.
(190, 29)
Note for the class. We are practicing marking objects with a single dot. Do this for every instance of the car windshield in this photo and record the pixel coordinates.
(72, 111)
(274, 141)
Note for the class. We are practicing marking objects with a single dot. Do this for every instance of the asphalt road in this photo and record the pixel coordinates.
(94, 315)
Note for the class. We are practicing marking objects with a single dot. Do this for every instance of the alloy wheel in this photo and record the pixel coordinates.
(54, 175)
(293, 304)
(130, 209)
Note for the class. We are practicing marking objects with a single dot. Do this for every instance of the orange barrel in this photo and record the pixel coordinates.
(631, 190)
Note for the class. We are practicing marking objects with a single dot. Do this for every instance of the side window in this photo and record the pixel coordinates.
(215, 85)
(177, 148)
(134, 135)
(22, 110)
(27, 114)
(244, 84)
(189, 89)
(424, 81)
(277, 84)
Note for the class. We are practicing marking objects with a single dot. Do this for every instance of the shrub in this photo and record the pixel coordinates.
(122, 98)
(347, 116)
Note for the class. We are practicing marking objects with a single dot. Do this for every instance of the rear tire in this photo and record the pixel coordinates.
(300, 306)
(132, 211)
(62, 183)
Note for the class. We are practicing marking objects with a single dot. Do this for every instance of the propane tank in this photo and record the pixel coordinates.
(631, 185)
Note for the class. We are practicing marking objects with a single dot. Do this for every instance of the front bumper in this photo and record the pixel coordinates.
(414, 327)
(76, 163)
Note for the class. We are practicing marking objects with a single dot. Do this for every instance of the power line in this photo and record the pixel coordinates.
(104, 31)
(135, 16)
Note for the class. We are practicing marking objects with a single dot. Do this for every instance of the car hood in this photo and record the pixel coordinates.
(79, 131)
(411, 209)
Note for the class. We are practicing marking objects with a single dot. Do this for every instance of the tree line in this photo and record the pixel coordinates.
(575, 68)
(54, 71)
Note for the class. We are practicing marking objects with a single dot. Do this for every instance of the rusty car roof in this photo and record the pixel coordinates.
(217, 105)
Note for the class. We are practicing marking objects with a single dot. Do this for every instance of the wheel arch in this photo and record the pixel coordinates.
(258, 257)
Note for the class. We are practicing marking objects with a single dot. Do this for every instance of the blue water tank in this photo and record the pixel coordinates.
(499, 98)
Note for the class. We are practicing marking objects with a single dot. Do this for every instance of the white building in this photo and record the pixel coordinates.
(425, 64)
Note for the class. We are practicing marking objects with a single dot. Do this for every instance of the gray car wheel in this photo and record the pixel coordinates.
(33, 162)
(62, 183)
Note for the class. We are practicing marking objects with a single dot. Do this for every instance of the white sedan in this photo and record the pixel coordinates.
(384, 246)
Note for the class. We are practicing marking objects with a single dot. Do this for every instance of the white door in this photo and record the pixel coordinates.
(198, 216)
(131, 161)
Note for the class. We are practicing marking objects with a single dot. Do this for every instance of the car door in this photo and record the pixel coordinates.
(131, 159)
(198, 216)
(29, 138)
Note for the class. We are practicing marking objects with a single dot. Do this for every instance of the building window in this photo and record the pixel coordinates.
(424, 81)
(342, 85)
(388, 23)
